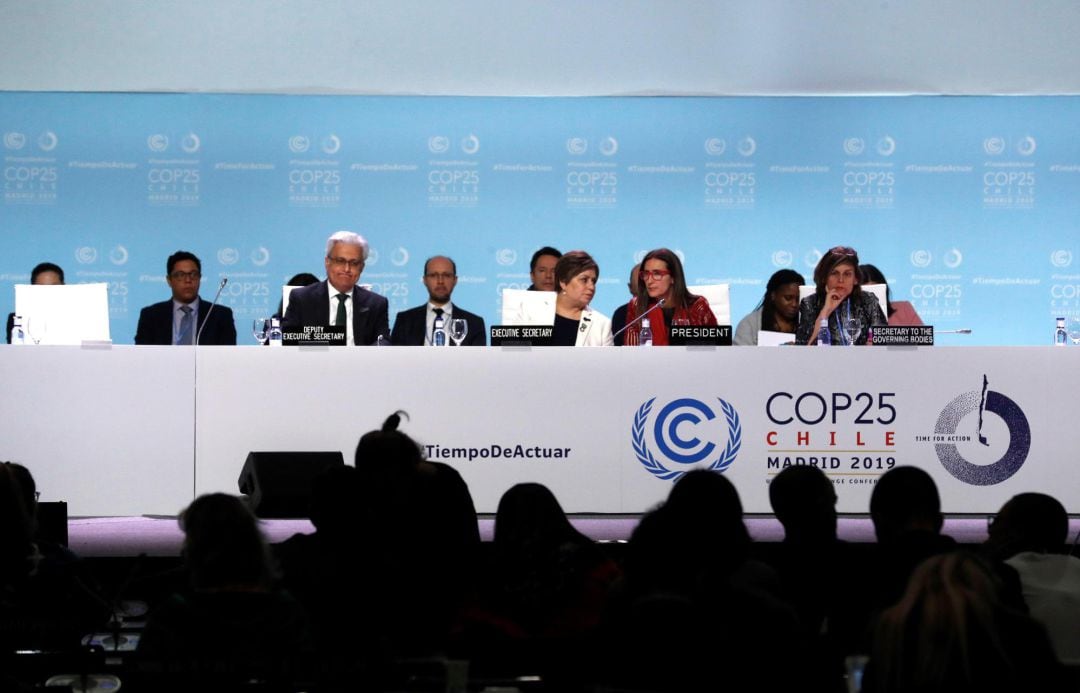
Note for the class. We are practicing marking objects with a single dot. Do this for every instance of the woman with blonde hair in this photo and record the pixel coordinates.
(951, 633)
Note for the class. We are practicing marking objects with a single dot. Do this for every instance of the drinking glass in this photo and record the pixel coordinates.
(853, 328)
(1074, 330)
(459, 329)
(259, 326)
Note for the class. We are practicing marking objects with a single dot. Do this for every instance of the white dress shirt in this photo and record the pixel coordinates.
(429, 320)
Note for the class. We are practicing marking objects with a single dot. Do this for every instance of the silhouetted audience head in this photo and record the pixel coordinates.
(951, 632)
(1029, 522)
(223, 547)
(698, 531)
(529, 515)
(388, 448)
(804, 501)
(27, 485)
(905, 499)
(712, 498)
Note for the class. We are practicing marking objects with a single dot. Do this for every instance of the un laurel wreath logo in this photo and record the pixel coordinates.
(690, 411)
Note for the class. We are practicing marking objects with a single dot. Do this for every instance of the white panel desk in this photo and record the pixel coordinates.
(139, 430)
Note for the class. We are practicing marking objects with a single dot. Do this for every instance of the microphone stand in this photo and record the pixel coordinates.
(213, 304)
(639, 318)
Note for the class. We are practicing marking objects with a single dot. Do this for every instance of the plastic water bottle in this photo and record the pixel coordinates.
(438, 336)
(1061, 337)
(275, 332)
(645, 336)
(18, 336)
(824, 336)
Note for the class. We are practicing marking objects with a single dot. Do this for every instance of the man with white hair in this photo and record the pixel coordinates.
(338, 300)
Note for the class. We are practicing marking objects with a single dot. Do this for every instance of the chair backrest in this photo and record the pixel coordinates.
(719, 298)
(285, 291)
(524, 307)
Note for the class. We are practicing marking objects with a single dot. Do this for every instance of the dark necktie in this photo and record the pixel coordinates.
(434, 323)
(184, 335)
(340, 318)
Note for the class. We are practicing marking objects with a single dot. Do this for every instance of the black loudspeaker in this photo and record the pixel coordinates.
(278, 484)
(52, 520)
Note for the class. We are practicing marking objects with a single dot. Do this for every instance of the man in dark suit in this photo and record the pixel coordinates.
(185, 318)
(338, 300)
(416, 326)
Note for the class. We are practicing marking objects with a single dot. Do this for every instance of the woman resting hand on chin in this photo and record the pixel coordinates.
(840, 300)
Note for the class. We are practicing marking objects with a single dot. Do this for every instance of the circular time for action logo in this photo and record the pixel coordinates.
(985, 402)
(675, 434)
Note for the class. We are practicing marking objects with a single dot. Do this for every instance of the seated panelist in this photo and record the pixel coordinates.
(778, 310)
(661, 278)
(840, 300)
(185, 319)
(338, 301)
(576, 324)
(416, 326)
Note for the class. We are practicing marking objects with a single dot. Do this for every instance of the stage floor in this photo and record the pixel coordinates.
(161, 536)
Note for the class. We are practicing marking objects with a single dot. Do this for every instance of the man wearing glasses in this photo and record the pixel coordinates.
(338, 300)
(185, 319)
(416, 326)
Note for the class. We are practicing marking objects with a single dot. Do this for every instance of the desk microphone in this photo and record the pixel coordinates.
(213, 304)
(633, 322)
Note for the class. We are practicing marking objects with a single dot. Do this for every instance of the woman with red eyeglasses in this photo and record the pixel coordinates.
(661, 281)
(840, 300)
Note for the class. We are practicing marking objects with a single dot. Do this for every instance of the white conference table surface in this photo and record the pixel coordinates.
(127, 430)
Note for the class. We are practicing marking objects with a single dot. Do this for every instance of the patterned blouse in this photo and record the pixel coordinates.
(863, 308)
(698, 313)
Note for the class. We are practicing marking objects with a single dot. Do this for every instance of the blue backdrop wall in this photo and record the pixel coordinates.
(969, 204)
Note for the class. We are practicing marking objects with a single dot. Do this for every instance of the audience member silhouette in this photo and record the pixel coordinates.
(326, 570)
(553, 579)
(234, 621)
(427, 538)
(952, 633)
(544, 594)
(906, 511)
(1029, 534)
(43, 602)
(696, 612)
(815, 568)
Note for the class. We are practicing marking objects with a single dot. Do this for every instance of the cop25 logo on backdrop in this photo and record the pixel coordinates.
(962, 453)
(685, 432)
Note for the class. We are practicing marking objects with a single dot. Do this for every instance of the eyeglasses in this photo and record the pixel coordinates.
(189, 276)
(445, 276)
(340, 262)
(656, 275)
(843, 250)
